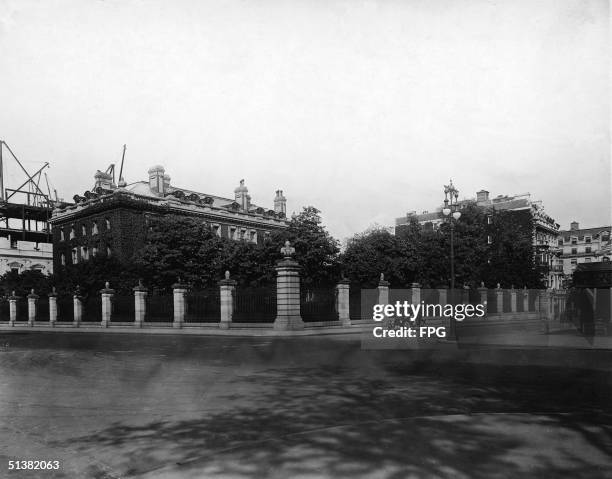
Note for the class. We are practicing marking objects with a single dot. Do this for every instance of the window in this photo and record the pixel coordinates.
(216, 230)
(94, 228)
(72, 233)
(574, 250)
(587, 249)
(253, 236)
(84, 253)
(94, 252)
(489, 219)
(75, 256)
(574, 240)
(587, 239)
(587, 260)
(232, 233)
(63, 259)
(243, 234)
(108, 225)
(62, 238)
(489, 239)
(573, 261)
(13, 243)
(84, 230)
(560, 241)
(15, 270)
(108, 251)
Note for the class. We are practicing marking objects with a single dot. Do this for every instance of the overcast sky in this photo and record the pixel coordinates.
(363, 109)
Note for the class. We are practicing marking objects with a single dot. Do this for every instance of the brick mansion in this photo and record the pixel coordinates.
(111, 220)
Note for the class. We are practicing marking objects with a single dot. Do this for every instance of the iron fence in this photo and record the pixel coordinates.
(159, 308)
(92, 308)
(318, 305)
(254, 305)
(122, 308)
(203, 306)
(42, 309)
(65, 308)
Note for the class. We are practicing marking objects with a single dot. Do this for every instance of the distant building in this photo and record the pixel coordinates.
(20, 256)
(544, 234)
(112, 219)
(583, 245)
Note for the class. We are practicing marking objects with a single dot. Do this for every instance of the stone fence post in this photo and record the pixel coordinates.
(465, 294)
(513, 303)
(383, 290)
(52, 308)
(227, 287)
(288, 315)
(525, 301)
(107, 305)
(499, 299)
(483, 292)
(342, 302)
(13, 298)
(32, 300)
(140, 304)
(77, 304)
(179, 291)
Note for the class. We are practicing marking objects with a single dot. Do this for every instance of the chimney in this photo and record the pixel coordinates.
(482, 196)
(280, 202)
(103, 180)
(574, 225)
(156, 180)
(242, 196)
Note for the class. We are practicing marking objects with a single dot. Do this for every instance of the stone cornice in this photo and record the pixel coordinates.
(124, 199)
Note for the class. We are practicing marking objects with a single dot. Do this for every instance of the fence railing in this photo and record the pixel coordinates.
(318, 305)
(254, 305)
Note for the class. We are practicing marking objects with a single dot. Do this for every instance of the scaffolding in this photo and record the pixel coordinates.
(25, 210)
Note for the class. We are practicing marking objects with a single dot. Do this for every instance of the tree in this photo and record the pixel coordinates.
(316, 250)
(377, 251)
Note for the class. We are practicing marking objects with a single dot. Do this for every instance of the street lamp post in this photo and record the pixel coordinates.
(452, 213)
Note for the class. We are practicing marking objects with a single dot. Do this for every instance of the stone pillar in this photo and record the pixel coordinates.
(465, 294)
(442, 297)
(525, 301)
(227, 287)
(415, 293)
(483, 292)
(288, 315)
(499, 298)
(513, 304)
(13, 298)
(77, 302)
(52, 308)
(107, 305)
(342, 302)
(32, 300)
(383, 290)
(179, 291)
(140, 304)
(545, 310)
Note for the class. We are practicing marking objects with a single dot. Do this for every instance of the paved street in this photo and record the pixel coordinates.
(111, 406)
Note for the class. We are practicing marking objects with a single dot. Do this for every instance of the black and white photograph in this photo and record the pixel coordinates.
(359, 239)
